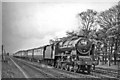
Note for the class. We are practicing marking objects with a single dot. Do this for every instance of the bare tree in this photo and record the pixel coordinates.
(88, 21)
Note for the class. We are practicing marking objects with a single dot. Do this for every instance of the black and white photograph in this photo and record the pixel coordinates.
(60, 39)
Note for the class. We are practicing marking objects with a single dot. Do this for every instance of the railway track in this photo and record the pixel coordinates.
(58, 73)
(94, 74)
(32, 71)
(100, 74)
(107, 72)
(110, 72)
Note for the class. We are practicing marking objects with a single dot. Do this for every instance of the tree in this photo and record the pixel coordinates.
(108, 21)
(115, 30)
(88, 21)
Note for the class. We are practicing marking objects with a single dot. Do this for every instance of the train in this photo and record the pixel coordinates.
(71, 54)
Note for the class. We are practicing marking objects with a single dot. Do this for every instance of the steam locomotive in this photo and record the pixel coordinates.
(72, 54)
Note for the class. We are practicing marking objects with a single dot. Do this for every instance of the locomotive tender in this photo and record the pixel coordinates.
(72, 54)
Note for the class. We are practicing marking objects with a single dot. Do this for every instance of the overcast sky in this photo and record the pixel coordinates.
(28, 25)
(0, 25)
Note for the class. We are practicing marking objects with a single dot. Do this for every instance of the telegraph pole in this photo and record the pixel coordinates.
(2, 53)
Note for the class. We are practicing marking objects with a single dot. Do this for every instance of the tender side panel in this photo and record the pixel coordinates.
(48, 52)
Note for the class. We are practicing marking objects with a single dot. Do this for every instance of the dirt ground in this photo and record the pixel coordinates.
(9, 70)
